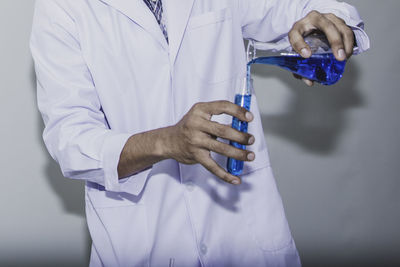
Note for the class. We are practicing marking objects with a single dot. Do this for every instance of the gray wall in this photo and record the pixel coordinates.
(42, 219)
(334, 150)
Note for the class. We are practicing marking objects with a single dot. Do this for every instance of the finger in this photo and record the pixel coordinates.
(226, 132)
(307, 81)
(334, 37)
(296, 39)
(226, 107)
(218, 171)
(346, 32)
(228, 150)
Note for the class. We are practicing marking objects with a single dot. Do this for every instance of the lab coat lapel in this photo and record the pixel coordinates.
(137, 11)
(178, 15)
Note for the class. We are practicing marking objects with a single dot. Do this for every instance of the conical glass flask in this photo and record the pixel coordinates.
(321, 67)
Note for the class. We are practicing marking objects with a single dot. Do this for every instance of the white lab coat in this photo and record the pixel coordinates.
(105, 72)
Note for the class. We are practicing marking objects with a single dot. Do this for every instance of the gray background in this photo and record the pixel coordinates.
(335, 152)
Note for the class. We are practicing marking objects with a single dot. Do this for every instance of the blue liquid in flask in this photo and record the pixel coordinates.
(235, 166)
(322, 68)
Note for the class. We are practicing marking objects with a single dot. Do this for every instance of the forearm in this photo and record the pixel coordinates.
(142, 151)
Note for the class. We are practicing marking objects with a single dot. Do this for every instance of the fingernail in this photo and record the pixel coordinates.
(341, 54)
(249, 116)
(251, 140)
(305, 52)
(235, 182)
(251, 156)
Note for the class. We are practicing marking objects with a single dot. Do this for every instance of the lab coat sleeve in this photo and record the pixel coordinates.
(270, 20)
(76, 131)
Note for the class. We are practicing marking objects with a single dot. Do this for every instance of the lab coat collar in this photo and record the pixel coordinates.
(137, 11)
(178, 12)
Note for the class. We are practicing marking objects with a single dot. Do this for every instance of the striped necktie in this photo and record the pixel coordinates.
(157, 9)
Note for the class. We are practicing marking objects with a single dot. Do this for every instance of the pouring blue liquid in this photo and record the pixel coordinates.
(322, 68)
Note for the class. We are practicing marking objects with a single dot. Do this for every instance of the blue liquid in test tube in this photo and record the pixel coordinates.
(242, 99)
(235, 166)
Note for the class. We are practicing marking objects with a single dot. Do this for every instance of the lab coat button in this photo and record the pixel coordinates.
(190, 186)
(203, 249)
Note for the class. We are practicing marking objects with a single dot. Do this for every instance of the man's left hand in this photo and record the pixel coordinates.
(339, 35)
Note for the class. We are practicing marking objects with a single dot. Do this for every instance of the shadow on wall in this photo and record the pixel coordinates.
(70, 192)
(316, 117)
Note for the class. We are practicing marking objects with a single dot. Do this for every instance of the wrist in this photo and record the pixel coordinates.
(163, 143)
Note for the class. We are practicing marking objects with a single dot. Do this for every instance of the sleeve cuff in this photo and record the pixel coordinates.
(111, 152)
(357, 25)
(362, 39)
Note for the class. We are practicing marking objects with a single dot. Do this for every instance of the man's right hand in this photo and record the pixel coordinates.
(192, 139)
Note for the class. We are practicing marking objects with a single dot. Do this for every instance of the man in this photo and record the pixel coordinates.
(136, 101)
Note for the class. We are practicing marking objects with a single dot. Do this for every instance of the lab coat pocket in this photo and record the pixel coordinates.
(118, 226)
(212, 46)
(209, 18)
(107, 199)
(264, 212)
